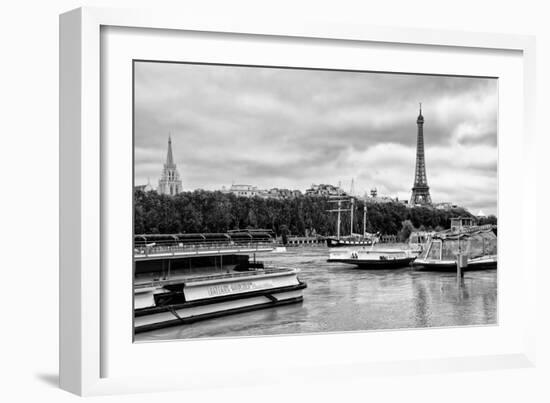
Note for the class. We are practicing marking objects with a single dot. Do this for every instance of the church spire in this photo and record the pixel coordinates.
(169, 156)
(170, 182)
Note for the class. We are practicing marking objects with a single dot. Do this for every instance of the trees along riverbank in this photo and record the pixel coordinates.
(214, 211)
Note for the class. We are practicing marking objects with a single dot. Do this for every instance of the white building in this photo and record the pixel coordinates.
(375, 199)
(144, 188)
(445, 205)
(253, 191)
(244, 190)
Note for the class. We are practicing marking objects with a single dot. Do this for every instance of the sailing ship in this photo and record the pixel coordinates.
(353, 239)
(357, 252)
(183, 278)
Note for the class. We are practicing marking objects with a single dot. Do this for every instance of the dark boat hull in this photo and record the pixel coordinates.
(377, 264)
(451, 266)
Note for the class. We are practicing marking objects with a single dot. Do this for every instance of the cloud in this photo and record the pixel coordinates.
(290, 128)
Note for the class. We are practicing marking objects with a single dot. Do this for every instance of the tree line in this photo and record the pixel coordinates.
(215, 212)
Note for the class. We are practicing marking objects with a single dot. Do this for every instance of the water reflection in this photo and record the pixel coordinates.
(340, 297)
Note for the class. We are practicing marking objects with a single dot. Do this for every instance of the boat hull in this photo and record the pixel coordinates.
(147, 319)
(486, 263)
(372, 264)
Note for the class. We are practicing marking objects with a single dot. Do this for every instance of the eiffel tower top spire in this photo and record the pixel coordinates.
(420, 119)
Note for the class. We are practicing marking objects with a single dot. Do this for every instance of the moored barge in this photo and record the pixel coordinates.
(477, 243)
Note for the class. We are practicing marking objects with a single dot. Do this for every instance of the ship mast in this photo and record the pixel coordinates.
(338, 224)
(365, 219)
(352, 201)
(339, 210)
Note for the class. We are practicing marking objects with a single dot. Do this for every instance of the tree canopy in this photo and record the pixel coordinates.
(214, 211)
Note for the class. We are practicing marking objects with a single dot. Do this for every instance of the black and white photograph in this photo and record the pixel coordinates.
(277, 201)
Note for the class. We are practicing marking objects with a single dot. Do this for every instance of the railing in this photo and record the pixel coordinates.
(258, 272)
(218, 276)
(199, 248)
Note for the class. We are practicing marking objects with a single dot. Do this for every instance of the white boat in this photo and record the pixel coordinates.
(188, 284)
(373, 259)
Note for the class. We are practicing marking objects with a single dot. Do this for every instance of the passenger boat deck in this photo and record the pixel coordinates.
(183, 278)
(205, 249)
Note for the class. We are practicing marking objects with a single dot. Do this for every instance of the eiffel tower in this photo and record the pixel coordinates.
(421, 190)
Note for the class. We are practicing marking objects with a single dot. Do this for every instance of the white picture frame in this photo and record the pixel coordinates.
(85, 343)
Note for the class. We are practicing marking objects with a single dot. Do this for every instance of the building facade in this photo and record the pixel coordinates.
(324, 190)
(445, 206)
(169, 182)
(282, 194)
(374, 198)
(254, 191)
(144, 188)
(243, 190)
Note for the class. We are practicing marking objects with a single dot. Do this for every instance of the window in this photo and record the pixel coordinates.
(450, 249)
(435, 251)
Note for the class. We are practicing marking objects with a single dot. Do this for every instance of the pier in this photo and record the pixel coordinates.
(388, 239)
(322, 241)
(306, 241)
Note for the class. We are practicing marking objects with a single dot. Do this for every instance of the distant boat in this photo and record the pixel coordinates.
(374, 259)
(478, 243)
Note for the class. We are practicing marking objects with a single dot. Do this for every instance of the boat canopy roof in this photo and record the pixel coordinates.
(487, 230)
(447, 245)
(174, 239)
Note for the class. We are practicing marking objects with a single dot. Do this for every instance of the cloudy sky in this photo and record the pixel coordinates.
(289, 128)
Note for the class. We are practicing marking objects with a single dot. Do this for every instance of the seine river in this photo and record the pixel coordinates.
(340, 297)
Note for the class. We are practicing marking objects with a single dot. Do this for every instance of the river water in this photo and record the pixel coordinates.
(340, 297)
